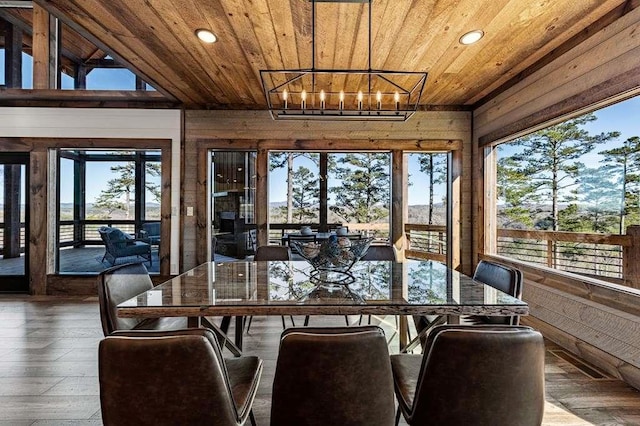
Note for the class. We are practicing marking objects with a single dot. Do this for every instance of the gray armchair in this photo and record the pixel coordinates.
(119, 244)
(150, 233)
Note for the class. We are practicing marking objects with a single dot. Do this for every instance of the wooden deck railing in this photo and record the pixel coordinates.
(426, 241)
(598, 255)
(22, 238)
(612, 257)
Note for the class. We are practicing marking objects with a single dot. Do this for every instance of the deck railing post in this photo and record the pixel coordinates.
(631, 258)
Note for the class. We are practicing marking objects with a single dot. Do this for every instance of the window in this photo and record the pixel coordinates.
(294, 187)
(360, 192)
(427, 204)
(568, 195)
(117, 189)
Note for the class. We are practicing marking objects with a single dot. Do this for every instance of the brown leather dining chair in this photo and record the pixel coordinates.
(272, 253)
(333, 376)
(504, 278)
(473, 375)
(174, 377)
(380, 252)
(121, 283)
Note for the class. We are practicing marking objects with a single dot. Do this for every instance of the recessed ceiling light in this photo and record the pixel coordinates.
(206, 36)
(471, 37)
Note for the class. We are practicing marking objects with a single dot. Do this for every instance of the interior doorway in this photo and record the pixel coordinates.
(14, 222)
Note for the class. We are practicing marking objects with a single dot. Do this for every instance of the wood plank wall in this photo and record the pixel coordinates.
(238, 129)
(600, 324)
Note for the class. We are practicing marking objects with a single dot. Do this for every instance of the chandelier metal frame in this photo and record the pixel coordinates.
(404, 87)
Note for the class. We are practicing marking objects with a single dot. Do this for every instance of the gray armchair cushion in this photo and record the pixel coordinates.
(119, 244)
(151, 232)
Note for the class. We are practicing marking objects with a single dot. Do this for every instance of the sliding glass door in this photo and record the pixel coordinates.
(14, 222)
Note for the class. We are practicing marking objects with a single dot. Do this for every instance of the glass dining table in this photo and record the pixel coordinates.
(244, 288)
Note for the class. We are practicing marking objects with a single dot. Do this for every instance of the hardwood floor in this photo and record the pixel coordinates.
(48, 369)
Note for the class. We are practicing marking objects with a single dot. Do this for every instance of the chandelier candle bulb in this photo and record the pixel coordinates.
(341, 100)
(322, 97)
(379, 100)
(360, 100)
(303, 99)
(396, 98)
(284, 98)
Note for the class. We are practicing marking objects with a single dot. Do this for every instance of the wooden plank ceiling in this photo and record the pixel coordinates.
(156, 38)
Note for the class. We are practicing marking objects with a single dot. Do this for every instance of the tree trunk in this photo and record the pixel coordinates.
(430, 189)
(623, 206)
(289, 187)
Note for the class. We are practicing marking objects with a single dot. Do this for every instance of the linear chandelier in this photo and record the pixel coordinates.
(342, 94)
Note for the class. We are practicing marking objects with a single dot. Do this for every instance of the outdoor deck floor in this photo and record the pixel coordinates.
(49, 368)
(87, 260)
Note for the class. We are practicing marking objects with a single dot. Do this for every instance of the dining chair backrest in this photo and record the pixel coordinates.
(272, 253)
(167, 378)
(333, 376)
(504, 278)
(116, 285)
(303, 238)
(480, 375)
(380, 253)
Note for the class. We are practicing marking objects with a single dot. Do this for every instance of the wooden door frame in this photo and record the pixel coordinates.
(396, 147)
(42, 190)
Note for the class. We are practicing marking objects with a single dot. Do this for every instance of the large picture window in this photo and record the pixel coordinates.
(568, 196)
(118, 190)
(355, 188)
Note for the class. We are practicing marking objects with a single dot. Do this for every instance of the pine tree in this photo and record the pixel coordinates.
(601, 202)
(363, 196)
(547, 167)
(120, 191)
(306, 194)
(435, 167)
(624, 162)
(281, 159)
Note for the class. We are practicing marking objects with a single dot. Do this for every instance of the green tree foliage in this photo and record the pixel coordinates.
(435, 167)
(548, 166)
(306, 193)
(120, 191)
(514, 188)
(363, 194)
(600, 201)
(624, 163)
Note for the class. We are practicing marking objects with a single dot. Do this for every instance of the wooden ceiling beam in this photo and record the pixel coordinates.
(82, 98)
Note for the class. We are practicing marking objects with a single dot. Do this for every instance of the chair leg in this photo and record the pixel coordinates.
(249, 323)
(293, 323)
(284, 325)
(306, 320)
(398, 416)
(346, 319)
(252, 418)
(422, 334)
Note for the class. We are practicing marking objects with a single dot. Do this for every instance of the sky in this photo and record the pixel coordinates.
(93, 186)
